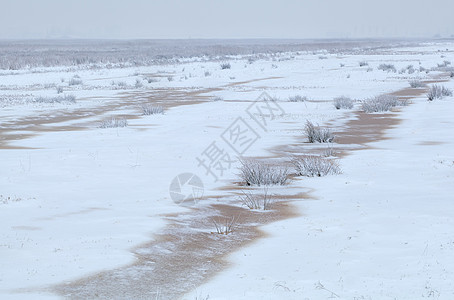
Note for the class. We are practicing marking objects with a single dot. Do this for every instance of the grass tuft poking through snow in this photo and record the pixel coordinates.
(416, 83)
(57, 99)
(148, 110)
(255, 201)
(297, 98)
(343, 102)
(317, 134)
(113, 122)
(438, 92)
(225, 66)
(257, 173)
(225, 225)
(387, 68)
(75, 81)
(382, 103)
(315, 166)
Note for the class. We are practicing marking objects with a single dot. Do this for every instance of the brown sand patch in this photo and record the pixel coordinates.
(187, 252)
(51, 121)
(184, 255)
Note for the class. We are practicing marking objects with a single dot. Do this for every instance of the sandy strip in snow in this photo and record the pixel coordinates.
(187, 253)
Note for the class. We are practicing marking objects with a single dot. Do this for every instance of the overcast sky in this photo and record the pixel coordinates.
(225, 19)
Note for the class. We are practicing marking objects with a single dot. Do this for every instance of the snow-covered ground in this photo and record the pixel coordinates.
(75, 199)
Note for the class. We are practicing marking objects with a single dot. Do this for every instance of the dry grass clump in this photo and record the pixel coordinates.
(382, 103)
(438, 92)
(254, 172)
(343, 102)
(315, 166)
(317, 134)
(415, 83)
(113, 122)
(255, 201)
(149, 109)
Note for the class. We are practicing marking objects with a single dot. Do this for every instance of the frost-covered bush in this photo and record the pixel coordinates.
(343, 102)
(382, 103)
(138, 84)
(59, 89)
(363, 63)
(315, 166)
(57, 99)
(387, 67)
(318, 134)
(297, 98)
(120, 84)
(225, 66)
(149, 109)
(444, 64)
(75, 81)
(113, 122)
(438, 92)
(218, 98)
(151, 79)
(416, 83)
(253, 172)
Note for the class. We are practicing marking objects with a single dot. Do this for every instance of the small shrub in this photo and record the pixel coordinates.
(382, 103)
(138, 84)
(59, 89)
(225, 66)
(363, 63)
(387, 67)
(170, 78)
(369, 69)
(207, 73)
(416, 83)
(58, 99)
(151, 79)
(257, 173)
(218, 98)
(149, 109)
(438, 92)
(254, 201)
(329, 152)
(75, 81)
(315, 166)
(322, 57)
(444, 64)
(113, 122)
(316, 134)
(297, 98)
(342, 65)
(343, 102)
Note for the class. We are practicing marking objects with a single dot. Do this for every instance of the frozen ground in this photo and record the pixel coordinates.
(77, 199)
